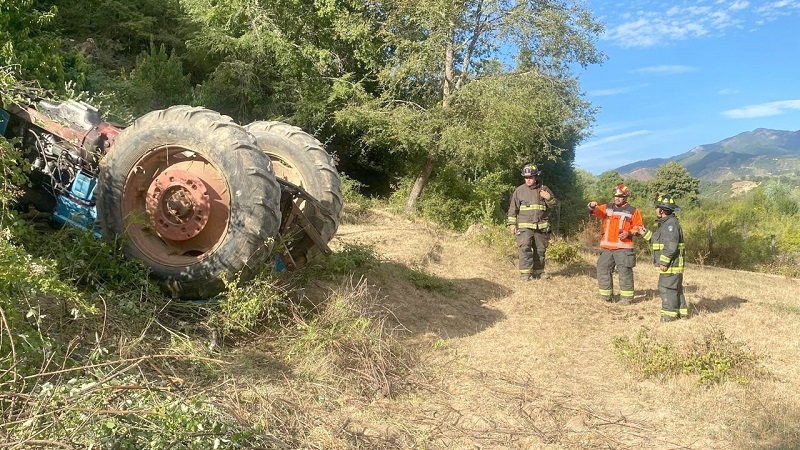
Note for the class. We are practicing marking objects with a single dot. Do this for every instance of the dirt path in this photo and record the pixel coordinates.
(531, 365)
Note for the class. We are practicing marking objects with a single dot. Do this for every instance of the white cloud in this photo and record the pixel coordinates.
(664, 70)
(736, 6)
(658, 24)
(649, 32)
(610, 139)
(728, 91)
(614, 91)
(762, 110)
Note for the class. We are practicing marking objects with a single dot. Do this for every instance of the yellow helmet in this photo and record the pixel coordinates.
(665, 201)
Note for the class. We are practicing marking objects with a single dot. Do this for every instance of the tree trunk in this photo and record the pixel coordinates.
(419, 184)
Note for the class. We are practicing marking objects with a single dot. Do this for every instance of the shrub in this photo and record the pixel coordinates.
(355, 205)
(494, 236)
(563, 251)
(351, 258)
(712, 358)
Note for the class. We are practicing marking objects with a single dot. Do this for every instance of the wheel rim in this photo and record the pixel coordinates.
(176, 205)
(284, 170)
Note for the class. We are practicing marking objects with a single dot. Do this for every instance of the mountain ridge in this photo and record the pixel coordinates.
(762, 152)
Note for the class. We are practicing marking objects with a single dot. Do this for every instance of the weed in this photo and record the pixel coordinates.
(352, 258)
(440, 344)
(345, 341)
(356, 205)
(712, 358)
(496, 237)
(648, 355)
(104, 407)
(244, 305)
(424, 281)
(563, 252)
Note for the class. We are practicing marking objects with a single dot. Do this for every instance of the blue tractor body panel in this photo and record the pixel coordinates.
(77, 207)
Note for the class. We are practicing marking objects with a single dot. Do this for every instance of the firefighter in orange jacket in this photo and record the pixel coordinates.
(620, 222)
(527, 222)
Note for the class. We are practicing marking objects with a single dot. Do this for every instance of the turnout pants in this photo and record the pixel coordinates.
(673, 302)
(532, 247)
(624, 260)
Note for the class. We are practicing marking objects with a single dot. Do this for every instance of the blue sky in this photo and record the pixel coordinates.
(683, 74)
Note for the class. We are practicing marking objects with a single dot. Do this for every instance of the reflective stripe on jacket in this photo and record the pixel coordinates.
(668, 245)
(527, 209)
(616, 219)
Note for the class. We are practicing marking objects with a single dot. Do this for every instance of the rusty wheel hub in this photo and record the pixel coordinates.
(178, 204)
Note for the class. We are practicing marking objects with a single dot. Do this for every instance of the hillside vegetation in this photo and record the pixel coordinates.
(408, 336)
(758, 154)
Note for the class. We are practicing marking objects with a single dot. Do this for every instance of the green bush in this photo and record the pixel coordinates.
(563, 251)
(712, 358)
(495, 236)
(351, 258)
(355, 205)
(243, 306)
(157, 81)
(455, 201)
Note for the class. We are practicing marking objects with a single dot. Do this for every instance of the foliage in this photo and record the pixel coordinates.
(711, 357)
(604, 188)
(356, 205)
(640, 191)
(351, 258)
(673, 179)
(26, 43)
(457, 202)
(755, 230)
(243, 306)
(441, 94)
(563, 251)
(346, 341)
(102, 406)
(12, 178)
(157, 82)
(495, 236)
(276, 59)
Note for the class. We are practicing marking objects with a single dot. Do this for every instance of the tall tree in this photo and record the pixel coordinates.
(673, 179)
(524, 112)
(278, 59)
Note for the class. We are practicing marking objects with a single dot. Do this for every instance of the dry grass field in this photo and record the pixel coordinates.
(494, 363)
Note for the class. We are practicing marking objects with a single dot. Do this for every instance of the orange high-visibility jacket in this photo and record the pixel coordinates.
(616, 219)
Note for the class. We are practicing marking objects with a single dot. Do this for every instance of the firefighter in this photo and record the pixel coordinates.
(527, 221)
(668, 256)
(620, 222)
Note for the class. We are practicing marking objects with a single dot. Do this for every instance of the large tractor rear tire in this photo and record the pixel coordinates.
(300, 159)
(195, 197)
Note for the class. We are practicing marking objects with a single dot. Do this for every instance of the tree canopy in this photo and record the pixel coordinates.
(673, 179)
(463, 93)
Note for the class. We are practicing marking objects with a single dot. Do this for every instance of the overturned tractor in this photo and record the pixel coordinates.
(198, 198)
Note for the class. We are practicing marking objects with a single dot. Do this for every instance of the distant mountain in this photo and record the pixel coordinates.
(758, 153)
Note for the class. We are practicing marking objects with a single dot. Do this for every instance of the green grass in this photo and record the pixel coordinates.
(711, 358)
